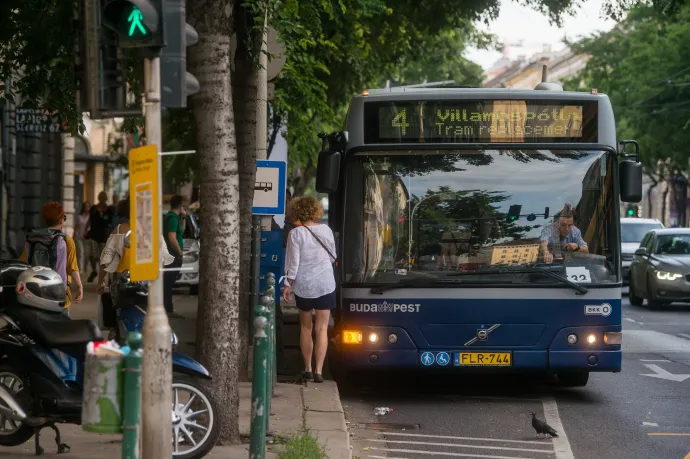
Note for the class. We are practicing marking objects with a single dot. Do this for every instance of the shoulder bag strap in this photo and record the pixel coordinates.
(319, 241)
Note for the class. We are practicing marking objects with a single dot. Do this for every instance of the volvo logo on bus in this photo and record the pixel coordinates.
(384, 307)
(482, 334)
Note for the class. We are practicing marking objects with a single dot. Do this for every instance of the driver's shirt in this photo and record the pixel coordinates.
(557, 242)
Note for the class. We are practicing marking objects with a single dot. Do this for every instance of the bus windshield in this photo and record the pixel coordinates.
(433, 214)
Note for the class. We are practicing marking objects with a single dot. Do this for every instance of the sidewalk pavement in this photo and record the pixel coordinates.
(294, 407)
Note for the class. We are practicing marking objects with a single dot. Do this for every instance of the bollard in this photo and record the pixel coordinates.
(132, 397)
(271, 280)
(268, 301)
(257, 445)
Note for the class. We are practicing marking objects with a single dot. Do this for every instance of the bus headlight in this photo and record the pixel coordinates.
(392, 338)
(373, 337)
(572, 339)
(592, 338)
(352, 337)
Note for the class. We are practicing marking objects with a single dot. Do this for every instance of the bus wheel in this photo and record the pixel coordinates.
(574, 379)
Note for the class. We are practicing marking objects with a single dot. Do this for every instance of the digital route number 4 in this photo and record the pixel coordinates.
(400, 121)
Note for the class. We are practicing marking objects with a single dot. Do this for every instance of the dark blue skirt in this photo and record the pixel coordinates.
(321, 303)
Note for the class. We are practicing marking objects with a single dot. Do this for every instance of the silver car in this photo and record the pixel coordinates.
(632, 232)
(660, 270)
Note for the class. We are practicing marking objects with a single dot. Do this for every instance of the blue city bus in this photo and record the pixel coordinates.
(479, 230)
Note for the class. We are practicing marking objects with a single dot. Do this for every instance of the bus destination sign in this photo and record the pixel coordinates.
(481, 121)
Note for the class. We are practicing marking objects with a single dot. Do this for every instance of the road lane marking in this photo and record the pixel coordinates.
(561, 445)
(650, 424)
(439, 453)
(457, 445)
(684, 335)
(687, 457)
(446, 437)
(668, 434)
(654, 360)
(660, 373)
(630, 320)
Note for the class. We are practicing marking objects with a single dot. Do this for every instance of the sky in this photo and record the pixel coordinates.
(516, 22)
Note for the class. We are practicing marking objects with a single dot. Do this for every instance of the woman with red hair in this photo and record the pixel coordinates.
(54, 216)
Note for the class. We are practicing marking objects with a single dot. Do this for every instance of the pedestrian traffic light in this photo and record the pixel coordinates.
(176, 82)
(137, 22)
(631, 212)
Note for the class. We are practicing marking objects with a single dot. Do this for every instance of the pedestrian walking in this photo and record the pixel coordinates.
(309, 259)
(52, 248)
(173, 230)
(83, 245)
(100, 217)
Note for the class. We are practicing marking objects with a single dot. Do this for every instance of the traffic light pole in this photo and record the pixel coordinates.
(156, 430)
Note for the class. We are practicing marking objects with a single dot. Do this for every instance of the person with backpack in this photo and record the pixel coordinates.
(52, 248)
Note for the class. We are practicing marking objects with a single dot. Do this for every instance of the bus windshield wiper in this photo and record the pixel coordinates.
(416, 282)
(535, 270)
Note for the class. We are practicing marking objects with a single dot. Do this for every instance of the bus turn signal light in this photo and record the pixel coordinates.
(352, 337)
(613, 338)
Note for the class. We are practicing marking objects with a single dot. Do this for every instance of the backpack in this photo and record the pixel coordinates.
(45, 249)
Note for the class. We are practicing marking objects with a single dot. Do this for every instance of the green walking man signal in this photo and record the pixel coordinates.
(134, 19)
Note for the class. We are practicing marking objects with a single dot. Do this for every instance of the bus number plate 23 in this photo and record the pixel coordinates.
(483, 359)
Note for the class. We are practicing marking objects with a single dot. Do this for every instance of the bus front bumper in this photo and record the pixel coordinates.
(521, 360)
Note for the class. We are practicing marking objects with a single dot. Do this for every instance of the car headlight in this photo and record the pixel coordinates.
(190, 257)
(663, 275)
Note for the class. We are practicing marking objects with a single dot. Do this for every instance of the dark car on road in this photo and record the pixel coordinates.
(660, 270)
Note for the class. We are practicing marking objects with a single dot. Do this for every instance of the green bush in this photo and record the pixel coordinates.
(302, 446)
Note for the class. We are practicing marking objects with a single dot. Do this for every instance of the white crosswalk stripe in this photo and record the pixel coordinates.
(403, 445)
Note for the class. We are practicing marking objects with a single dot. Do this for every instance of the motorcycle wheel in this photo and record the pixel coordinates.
(13, 433)
(195, 419)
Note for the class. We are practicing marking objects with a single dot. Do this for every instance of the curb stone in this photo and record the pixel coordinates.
(324, 417)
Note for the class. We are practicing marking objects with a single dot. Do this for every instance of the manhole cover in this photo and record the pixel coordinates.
(388, 426)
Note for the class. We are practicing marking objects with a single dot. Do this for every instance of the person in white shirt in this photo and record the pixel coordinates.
(309, 259)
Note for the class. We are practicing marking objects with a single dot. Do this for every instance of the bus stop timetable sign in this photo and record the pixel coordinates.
(269, 188)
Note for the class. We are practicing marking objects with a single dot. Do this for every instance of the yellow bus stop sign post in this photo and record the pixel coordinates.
(144, 213)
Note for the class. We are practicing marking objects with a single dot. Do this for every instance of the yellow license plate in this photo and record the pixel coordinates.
(483, 359)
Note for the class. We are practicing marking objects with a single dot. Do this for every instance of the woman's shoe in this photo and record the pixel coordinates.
(307, 376)
(318, 378)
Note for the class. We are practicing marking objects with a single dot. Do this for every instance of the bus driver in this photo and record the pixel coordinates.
(562, 236)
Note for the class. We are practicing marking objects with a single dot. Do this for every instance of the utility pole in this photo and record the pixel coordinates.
(156, 431)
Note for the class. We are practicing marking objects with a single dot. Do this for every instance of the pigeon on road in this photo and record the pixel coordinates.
(542, 427)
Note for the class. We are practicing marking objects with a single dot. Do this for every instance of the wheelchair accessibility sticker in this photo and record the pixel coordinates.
(598, 310)
(442, 358)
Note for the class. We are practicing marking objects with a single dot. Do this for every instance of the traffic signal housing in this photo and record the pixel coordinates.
(137, 22)
(176, 82)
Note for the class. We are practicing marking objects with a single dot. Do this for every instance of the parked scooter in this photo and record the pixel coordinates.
(42, 355)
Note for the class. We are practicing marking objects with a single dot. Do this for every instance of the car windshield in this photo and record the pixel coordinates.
(673, 244)
(634, 232)
(429, 214)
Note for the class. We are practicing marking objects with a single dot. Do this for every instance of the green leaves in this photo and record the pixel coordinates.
(643, 65)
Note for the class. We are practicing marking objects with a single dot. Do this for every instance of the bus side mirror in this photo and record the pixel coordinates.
(630, 178)
(328, 172)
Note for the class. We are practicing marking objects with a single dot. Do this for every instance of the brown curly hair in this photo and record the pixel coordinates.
(305, 208)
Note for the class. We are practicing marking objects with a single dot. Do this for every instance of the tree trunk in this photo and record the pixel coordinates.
(218, 325)
(244, 90)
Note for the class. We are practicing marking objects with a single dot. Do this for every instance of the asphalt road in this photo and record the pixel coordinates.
(626, 415)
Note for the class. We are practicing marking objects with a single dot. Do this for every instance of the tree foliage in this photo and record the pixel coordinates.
(643, 65)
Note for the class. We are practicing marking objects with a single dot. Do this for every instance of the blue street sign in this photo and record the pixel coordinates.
(269, 188)
(427, 358)
(442, 358)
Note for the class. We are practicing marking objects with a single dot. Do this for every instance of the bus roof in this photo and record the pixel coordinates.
(386, 99)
